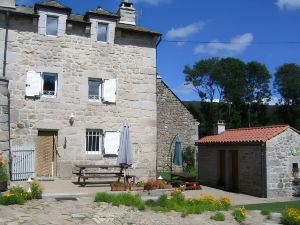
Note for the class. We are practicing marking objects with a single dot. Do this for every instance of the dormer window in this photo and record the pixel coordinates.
(102, 33)
(52, 25)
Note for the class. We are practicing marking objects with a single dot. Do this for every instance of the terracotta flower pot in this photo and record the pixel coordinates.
(3, 186)
(115, 187)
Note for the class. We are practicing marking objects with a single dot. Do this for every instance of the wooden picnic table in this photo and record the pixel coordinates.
(86, 172)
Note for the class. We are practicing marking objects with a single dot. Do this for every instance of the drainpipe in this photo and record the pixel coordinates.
(264, 170)
(5, 42)
(8, 94)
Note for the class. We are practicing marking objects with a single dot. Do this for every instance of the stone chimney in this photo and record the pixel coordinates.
(8, 3)
(127, 13)
(219, 127)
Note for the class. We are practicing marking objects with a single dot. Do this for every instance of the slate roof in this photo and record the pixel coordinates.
(53, 4)
(102, 12)
(29, 11)
(245, 135)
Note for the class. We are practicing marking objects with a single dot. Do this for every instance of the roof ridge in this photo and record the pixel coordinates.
(260, 127)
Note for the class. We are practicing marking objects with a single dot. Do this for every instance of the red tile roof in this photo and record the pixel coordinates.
(245, 135)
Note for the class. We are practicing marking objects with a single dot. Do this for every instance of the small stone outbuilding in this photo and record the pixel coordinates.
(257, 161)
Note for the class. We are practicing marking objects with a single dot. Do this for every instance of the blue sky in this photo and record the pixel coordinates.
(241, 24)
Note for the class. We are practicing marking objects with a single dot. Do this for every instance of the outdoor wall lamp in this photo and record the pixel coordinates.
(72, 118)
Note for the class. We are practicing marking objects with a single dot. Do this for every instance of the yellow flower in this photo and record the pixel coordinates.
(208, 198)
(225, 200)
(8, 195)
(293, 213)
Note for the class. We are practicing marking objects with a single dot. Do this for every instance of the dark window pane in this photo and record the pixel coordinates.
(94, 92)
(52, 25)
(49, 84)
(102, 32)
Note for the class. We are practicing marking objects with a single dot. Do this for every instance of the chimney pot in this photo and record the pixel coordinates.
(219, 127)
(8, 3)
(127, 13)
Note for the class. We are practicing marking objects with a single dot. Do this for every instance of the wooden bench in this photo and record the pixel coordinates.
(84, 174)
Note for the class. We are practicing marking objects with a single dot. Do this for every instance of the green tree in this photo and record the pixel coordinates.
(287, 83)
(257, 90)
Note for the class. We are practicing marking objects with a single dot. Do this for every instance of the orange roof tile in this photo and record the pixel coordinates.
(255, 134)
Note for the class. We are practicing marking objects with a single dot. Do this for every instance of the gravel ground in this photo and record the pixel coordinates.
(85, 211)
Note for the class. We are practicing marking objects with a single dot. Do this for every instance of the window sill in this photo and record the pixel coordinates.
(51, 36)
(103, 42)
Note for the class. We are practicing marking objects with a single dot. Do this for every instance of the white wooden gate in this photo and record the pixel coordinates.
(23, 162)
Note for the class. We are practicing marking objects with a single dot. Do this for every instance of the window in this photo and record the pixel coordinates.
(49, 84)
(95, 89)
(93, 141)
(102, 32)
(52, 26)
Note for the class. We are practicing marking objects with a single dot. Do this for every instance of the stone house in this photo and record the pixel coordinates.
(257, 161)
(69, 81)
(73, 80)
(172, 118)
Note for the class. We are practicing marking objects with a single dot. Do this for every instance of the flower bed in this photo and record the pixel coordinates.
(19, 195)
(291, 216)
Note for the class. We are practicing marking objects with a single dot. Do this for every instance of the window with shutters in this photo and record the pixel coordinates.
(102, 90)
(102, 32)
(49, 84)
(95, 89)
(93, 142)
(52, 25)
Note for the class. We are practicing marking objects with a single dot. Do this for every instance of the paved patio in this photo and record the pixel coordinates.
(60, 187)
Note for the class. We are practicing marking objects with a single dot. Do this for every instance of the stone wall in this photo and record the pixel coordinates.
(279, 161)
(250, 174)
(172, 118)
(131, 60)
(4, 127)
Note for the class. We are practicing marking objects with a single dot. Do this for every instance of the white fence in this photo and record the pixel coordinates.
(23, 162)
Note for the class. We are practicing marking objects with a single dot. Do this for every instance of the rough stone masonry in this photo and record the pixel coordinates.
(131, 59)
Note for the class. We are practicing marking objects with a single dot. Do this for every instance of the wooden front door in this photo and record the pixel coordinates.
(46, 153)
(235, 171)
(222, 169)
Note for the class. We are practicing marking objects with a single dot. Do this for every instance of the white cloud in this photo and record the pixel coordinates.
(236, 45)
(288, 4)
(183, 32)
(184, 89)
(152, 2)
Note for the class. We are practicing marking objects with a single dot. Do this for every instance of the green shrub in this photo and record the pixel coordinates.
(188, 157)
(11, 199)
(36, 190)
(240, 214)
(19, 191)
(121, 199)
(3, 174)
(218, 217)
(291, 216)
(187, 206)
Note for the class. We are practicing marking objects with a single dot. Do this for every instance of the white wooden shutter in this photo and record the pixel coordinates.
(111, 142)
(109, 90)
(33, 83)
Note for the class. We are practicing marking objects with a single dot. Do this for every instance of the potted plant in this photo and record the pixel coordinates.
(139, 186)
(118, 186)
(3, 174)
(151, 184)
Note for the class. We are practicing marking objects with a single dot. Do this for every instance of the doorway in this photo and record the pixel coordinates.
(222, 169)
(235, 170)
(46, 154)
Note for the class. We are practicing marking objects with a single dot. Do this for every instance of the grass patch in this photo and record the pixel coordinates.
(121, 199)
(274, 207)
(218, 217)
(187, 206)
